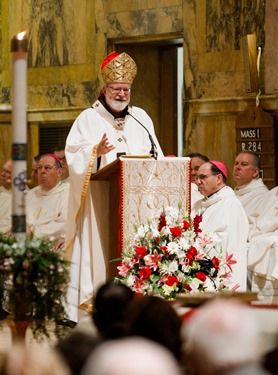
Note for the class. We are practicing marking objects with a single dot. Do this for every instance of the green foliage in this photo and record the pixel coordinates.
(36, 282)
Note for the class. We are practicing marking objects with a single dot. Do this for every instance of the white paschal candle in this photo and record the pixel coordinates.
(19, 47)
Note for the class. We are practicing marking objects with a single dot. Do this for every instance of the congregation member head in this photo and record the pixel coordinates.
(131, 356)
(34, 171)
(49, 171)
(6, 175)
(155, 319)
(60, 152)
(110, 309)
(246, 167)
(222, 337)
(211, 177)
(197, 160)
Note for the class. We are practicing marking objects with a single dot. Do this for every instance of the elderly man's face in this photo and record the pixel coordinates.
(6, 175)
(244, 170)
(117, 96)
(206, 181)
(48, 174)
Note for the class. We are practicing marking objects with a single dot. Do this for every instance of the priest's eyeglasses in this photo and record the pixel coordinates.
(203, 177)
(47, 168)
(117, 90)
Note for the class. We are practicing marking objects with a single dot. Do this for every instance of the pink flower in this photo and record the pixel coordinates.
(123, 269)
(230, 261)
(152, 260)
(138, 285)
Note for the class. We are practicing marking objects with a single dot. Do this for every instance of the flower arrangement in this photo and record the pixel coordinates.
(171, 254)
(36, 280)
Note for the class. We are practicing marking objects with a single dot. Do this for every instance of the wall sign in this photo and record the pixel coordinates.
(255, 131)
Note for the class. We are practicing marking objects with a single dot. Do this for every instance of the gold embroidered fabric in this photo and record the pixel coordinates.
(121, 69)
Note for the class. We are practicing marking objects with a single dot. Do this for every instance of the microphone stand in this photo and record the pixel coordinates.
(153, 150)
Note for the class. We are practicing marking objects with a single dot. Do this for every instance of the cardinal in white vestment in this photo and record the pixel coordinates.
(98, 136)
(223, 214)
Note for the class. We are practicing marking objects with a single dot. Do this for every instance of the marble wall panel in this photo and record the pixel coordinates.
(217, 26)
(144, 22)
(61, 51)
(124, 5)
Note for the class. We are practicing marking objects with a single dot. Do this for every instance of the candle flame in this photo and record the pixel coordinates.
(21, 35)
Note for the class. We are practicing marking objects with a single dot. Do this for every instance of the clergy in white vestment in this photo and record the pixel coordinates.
(47, 203)
(196, 160)
(110, 128)
(6, 198)
(263, 248)
(250, 188)
(223, 214)
(60, 152)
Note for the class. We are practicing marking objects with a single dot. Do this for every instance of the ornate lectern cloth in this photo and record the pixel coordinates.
(147, 185)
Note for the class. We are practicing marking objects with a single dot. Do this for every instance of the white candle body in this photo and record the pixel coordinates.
(19, 137)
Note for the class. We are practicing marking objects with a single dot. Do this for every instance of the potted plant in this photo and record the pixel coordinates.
(36, 280)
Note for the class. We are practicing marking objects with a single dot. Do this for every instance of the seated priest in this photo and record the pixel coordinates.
(223, 214)
(263, 248)
(197, 160)
(250, 188)
(6, 198)
(109, 128)
(46, 204)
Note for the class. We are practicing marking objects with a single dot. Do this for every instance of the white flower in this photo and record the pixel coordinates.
(170, 267)
(194, 284)
(167, 290)
(173, 247)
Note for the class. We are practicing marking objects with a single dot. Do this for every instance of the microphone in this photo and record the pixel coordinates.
(153, 150)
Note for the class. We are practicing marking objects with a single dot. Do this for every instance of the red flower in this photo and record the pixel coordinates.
(176, 231)
(215, 262)
(144, 273)
(186, 224)
(196, 223)
(164, 250)
(141, 250)
(189, 258)
(201, 276)
(172, 280)
(192, 251)
(162, 221)
(187, 287)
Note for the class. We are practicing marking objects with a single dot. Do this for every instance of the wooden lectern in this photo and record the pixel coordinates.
(128, 191)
